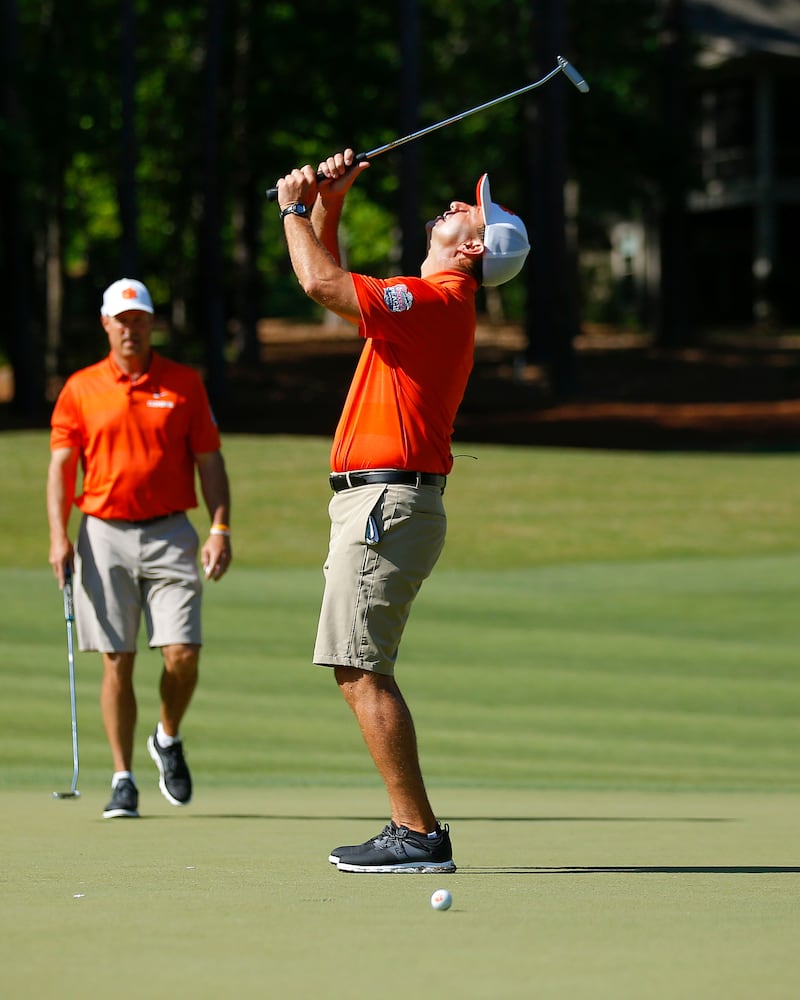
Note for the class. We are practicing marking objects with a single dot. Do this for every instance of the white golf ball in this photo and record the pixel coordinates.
(441, 900)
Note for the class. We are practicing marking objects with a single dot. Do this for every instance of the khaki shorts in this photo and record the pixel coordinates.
(385, 540)
(124, 570)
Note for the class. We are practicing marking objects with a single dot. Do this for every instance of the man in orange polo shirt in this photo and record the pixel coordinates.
(389, 461)
(137, 425)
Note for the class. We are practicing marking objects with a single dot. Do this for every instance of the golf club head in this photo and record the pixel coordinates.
(67, 795)
(573, 75)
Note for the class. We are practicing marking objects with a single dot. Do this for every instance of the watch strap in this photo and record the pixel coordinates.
(298, 208)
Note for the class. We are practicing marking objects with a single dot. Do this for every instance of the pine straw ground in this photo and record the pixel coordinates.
(735, 393)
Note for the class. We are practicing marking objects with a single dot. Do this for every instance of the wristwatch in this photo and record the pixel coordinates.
(297, 209)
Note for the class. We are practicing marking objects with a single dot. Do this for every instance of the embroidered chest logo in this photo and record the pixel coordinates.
(158, 402)
(398, 298)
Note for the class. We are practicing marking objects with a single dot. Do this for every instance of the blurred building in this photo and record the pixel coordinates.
(743, 197)
(745, 210)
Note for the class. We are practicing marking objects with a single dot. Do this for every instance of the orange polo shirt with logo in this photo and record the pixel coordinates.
(137, 440)
(412, 373)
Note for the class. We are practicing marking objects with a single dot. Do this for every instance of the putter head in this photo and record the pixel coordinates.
(573, 75)
(67, 795)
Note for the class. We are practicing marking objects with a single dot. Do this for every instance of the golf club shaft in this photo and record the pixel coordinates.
(69, 617)
(563, 67)
(73, 707)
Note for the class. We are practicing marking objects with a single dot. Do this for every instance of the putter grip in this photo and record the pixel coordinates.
(272, 193)
(69, 608)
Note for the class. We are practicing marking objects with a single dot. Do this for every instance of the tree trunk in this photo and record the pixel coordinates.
(213, 316)
(54, 291)
(246, 198)
(551, 317)
(14, 242)
(412, 234)
(674, 327)
(128, 200)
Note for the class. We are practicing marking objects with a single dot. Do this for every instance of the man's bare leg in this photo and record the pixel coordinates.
(178, 682)
(118, 706)
(388, 730)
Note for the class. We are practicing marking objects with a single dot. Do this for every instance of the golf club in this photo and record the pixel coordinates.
(562, 66)
(69, 616)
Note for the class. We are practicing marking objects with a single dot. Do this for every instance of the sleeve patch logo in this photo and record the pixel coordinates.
(398, 298)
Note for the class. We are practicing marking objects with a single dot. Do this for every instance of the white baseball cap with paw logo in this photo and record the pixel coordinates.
(125, 294)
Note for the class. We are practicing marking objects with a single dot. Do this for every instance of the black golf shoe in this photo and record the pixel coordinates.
(175, 781)
(124, 801)
(398, 849)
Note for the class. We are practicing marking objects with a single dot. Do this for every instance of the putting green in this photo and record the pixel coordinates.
(558, 894)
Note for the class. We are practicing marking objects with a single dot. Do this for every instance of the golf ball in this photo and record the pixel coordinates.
(441, 900)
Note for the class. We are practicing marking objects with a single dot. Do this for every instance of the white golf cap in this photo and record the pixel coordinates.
(127, 293)
(505, 239)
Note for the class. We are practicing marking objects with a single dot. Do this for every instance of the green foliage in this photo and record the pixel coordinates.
(277, 107)
(90, 202)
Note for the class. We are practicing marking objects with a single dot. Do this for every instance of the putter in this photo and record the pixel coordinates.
(69, 616)
(562, 66)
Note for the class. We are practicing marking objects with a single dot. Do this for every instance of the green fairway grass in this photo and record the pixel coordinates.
(603, 672)
(507, 507)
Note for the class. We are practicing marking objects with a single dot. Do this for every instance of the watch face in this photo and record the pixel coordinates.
(301, 209)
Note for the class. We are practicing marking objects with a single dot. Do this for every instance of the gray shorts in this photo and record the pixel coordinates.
(384, 542)
(123, 570)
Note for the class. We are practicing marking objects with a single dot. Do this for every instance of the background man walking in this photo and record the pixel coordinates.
(137, 425)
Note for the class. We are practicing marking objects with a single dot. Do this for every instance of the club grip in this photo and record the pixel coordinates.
(69, 608)
(272, 193)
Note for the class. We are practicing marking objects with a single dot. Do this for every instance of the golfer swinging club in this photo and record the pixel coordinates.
(390, 459)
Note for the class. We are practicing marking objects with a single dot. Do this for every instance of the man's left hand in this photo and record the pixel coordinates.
(216, 556)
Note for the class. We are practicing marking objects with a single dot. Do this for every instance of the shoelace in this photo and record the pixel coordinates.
(125, 791)
(402, 833)
(173, 758)
(387, 834)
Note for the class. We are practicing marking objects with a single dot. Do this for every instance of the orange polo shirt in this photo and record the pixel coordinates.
(412, 373)
(137, 441)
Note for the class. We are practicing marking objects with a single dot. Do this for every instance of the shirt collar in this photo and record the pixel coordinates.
(120, 376)
(447, 277)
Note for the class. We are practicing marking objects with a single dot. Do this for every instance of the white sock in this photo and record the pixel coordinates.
(164, 740)
(119, 775)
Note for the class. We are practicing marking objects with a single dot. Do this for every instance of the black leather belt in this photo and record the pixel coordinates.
(154, 520)
(348, 480)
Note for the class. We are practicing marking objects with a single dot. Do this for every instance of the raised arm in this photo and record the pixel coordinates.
(313, 241)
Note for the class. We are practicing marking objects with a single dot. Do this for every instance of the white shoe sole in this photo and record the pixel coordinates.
(409, 868)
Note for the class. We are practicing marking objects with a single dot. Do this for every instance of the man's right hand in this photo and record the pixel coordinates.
(62, 557)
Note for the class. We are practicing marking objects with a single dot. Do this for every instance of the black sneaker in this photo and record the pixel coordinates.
(175, 781)
(398, 849)
(124, 800)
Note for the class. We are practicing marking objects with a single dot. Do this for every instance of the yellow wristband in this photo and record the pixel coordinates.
(219, 529)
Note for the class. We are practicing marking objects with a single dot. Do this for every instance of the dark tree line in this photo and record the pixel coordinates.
(137, 137)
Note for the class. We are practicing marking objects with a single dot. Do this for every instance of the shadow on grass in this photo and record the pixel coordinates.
(271, 817)
(635, 870)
